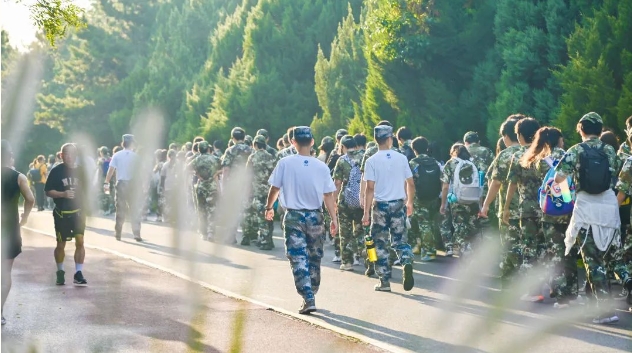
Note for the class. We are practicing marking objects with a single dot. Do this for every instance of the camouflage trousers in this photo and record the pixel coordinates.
(510, 250)
(388, 225)
(351, 232)
(596, 263)
(446, 229)
(106, 202)
(621, 264)
(255, 226)
(523, 244)
(464, 223)
(206, 199)
(423, 224)
(304, 234)
(562, 270)
(126, 206)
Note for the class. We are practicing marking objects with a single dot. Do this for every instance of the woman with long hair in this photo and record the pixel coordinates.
(544, 153)
(463, 215)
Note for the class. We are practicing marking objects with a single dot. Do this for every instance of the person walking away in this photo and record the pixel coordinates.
(405, 137)
(206, 167)
(347, 178)
(166, 187)
(260, 164)
(51, 163)
(306, 184)
(427, 177)
(14, 185)
(482, 157)
(390, 193)
(103, 164)
(66, 187)
(595, 223)
(497, 174)
(327, 145)
(125, 164)
(39, 181)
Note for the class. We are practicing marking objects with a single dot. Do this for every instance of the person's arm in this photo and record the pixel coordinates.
(362, 191)
(368, 201)
(491, 196)
(109, 174)
(273, 194)
(510, 194)
(29, 199)
(410, 196)
(621, 197)
(330, 205)
(444, 198)
(338, 184)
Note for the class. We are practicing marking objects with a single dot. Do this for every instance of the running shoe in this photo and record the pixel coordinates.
(429, 257)
(79, 281)
(409, 280)
(449, 250)
(532, 298)
(118, 236)
(61, 280)
(308, 307)
(383, 286)
(138, 238)
(346, 267)
(356, 260)
(397, 263)
(370, 272)
(336, 259)
(606, 319)
(417, 249)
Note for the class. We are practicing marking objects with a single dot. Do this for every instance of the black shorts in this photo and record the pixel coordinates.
(69, 224)
(11, 244)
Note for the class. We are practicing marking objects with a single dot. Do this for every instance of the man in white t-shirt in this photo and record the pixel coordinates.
(390, 191)
(125, 163)
(305, 182)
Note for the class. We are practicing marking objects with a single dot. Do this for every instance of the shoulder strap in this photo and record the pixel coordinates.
(549, 161)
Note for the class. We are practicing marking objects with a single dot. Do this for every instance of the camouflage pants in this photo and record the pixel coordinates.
(562, 269)
(621, 264)
(511, 250)
(464, 223)
(106, 202)
(351, 232)
(423, 226)
(206, 198)
(596, 263)
(255, 225)
(446, 229)
(388, 224)
(304, 234)
(126, 206)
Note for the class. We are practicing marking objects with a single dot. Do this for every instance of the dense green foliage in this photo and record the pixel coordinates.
(438, 67)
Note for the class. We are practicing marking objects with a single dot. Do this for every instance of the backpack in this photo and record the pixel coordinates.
(594, 169)
(466, 187)
(352, 188)
(428, 182)
(550, 193)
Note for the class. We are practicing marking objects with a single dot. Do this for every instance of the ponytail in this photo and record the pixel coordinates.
(544, 141)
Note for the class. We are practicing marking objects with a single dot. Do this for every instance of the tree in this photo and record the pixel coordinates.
(54, 17)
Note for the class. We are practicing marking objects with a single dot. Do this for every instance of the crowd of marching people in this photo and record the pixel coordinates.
(552, 204)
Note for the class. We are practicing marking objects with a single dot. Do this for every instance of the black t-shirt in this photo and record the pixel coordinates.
(10, 200)
(62, 178)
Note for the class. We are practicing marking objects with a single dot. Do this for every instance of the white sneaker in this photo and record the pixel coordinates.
(346, 267)
(532, 298)
(336, 259)
(606, 319)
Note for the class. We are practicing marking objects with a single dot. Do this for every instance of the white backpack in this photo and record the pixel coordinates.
(469, 190)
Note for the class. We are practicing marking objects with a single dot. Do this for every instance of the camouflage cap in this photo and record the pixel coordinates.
(303, 133)
(340, 133)
(248, 138)
(471, 136)
(128, 138)
(326, 140)
(348, 141)
(259, 139)
(263, 132)
(382, 131)
(592, 117)
(203, 145)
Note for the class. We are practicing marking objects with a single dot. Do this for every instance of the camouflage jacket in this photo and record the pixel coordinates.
(261, 163)
(271, 150)
(569, 165)
(217, 153)
(236, 155)
(625, 178)
(369, 153)
(342, 170)
(286, 152)
(205, 167)
(482, 157)
(499, 170)
(624, 151)
(528, 183)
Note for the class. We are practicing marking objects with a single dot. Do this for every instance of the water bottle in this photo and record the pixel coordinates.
(481, 178)
(566, 192)
(371, 253)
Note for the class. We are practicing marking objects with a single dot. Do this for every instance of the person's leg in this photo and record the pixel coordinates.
(512, 252)
(315, 240)
(80, 251)
(358, 232)
(380, 234)
(249, 224)
(121, 209)
(594, 263)
(424, 217)
(263, 229)
(345, 235)
(399, 241)
(296, 252)
(60, 254)
(7, 266)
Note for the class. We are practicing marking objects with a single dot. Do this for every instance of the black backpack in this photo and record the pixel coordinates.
(408, 152)
(594, 169)
(428, 182)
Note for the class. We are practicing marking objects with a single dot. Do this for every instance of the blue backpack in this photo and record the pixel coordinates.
(550, 193)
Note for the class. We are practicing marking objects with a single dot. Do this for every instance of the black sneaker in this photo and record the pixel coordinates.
(409, 281)
(4, 321)
(245, 241)
(138, 238)
(61, 280)
(117, 236)
(79, 280)
(308, 307)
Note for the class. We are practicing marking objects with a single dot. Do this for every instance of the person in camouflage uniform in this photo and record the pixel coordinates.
(545, 151)
(527, 183)
(236, 155)
(349, 216)
(405, 139)
(596, 261)
(622, 266)
(206, 167)
(106, 201)
(270, 149)
(482, 158)
(217, 148)
(261, 164)
(497, 174)
(423, 225)
(463, 215)
(290, 149)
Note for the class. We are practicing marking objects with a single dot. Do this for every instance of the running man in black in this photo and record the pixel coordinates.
(14, 184)
(64, 187)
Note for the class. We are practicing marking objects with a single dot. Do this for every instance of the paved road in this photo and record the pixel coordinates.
(454, 307)
(129, 307)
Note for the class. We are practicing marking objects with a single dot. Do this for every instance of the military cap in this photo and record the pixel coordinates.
(348, 141)
(340, 133)
(259, 139)
(471, 136)
(592, 117)
(303, 133)
(128, 138)
(248, 138)
(383, 131)
(326, 140)
(203, 145)
(263, 132)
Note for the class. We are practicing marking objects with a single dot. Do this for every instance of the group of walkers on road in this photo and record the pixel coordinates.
(394, 191)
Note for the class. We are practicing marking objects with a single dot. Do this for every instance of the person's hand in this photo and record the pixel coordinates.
(270, 214)
(443, 209)
(409, 209)
(106, 187)
(69, 194)
(23, 219)
(366, 220)
(361, 201)
(506, 217)
(483, 212)
(333, 227)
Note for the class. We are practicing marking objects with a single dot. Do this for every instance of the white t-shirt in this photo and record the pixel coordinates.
(389, 170)
(303, 182)
(124, 163)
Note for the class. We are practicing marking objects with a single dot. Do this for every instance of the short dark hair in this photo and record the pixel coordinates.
(196, 147)
(219, 144)
(461, 151)
(609, 138)
(385, 123)
(259, 145)
(395, 142)
(360, 140)
(527, 128)
(383, 140)
(290, 133)
(198, 139)
(127, 143)
(508, 128)
(420, 145)
(204, 149)
(238, 134)
(589, 128)
(285, 139)
(404, 133)
(516, 117)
